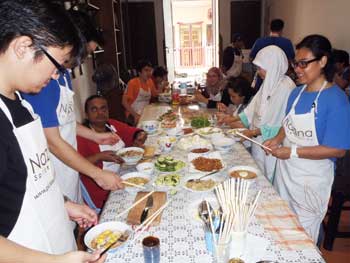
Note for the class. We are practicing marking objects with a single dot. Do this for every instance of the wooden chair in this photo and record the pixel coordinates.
(340, 195)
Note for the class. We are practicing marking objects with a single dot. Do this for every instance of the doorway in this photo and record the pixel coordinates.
(190, 38)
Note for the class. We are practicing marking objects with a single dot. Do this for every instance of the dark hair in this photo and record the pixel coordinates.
(87, 26)
(92, 97)
(105, 77)
(242, 87)
(341, 56)
(320, 46)
(47, 24)
(159, 72)
(276, 25)
(142, 63)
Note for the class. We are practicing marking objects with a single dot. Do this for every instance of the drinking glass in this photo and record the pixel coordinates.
(151, 249)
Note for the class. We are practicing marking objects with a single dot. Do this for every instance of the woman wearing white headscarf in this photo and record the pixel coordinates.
(264, 114)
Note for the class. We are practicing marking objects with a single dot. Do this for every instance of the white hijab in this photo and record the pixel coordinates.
(269, 104)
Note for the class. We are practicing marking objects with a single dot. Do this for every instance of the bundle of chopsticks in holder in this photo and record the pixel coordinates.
(237, 210)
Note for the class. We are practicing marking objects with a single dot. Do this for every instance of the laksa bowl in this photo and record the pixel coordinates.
(131, 155)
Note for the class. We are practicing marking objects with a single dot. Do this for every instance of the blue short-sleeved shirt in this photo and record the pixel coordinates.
(332, 116)
(284, 43)
(46, 101)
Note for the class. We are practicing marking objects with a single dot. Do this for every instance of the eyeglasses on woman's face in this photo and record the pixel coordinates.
(302, 63)
(60, 69)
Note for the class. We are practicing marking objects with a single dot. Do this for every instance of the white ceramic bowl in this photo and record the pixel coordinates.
(166, 143)
(150, 127)
(243, 168)
(223, 143)
(134, 174)
(131, 160)
(145, 168)
(98, 229)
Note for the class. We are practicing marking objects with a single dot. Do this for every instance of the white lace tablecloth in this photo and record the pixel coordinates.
(181, 235)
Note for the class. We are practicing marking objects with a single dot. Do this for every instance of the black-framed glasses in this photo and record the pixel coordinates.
(60, 69)
(303, 63)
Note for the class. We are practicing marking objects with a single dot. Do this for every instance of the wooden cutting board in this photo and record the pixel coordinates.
(134, 216)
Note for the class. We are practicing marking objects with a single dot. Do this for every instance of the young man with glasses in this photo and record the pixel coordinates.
(34, 223)
(55, 105)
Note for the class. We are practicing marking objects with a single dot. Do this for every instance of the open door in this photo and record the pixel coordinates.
(169, 41)
(191, 38)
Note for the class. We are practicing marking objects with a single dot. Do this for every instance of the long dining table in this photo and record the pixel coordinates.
(181, 234)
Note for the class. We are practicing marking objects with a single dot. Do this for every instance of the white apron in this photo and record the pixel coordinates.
(266, 163)
(142, 100)
(305, 184)
(236, 68)
(67, 178)
(43, 222)
(216, 97)
(111, 166)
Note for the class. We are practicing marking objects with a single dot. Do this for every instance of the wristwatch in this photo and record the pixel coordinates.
(293, 152)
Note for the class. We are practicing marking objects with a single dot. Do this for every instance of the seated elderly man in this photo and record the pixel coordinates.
(103, 156)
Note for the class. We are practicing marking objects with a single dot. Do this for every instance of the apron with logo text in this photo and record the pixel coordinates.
(306, 184)
(67, 178)
(43, 223)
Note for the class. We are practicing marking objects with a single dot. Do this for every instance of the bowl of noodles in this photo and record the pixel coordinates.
(137, 178)
(131, 155)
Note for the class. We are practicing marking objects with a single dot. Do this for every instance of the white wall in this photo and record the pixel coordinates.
(303, 17)
(83, 87)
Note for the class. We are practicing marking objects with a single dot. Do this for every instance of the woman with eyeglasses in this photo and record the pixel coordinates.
(315, 131)
(265, 112)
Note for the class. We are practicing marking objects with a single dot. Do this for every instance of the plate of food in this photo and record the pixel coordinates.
(104, 234)
(168, 120)
(205, 163)
(244, 172)
(137, 178)
(208, 132)
(200, 122)
(190, 142)
(167, 181)
(199, 149)
(203, 185)
(166, 164)
(233, 133)
(131, 155)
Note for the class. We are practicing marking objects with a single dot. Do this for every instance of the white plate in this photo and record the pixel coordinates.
(98, 229)
(207, 132)
(135, 174)
(210, 155)
(244, 167)
(204, 179)
(166, 187)
(190, 141)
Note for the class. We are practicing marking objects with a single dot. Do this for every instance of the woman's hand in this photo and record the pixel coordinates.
(199, 97)
(250, 133)
(282, 153)
(273, 144)
(106, 138)
(221, 107)
(81, 257)
(82, 214)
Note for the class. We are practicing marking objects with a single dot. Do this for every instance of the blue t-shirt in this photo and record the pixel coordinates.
(332, 116)
(46, 101)
(284, 43)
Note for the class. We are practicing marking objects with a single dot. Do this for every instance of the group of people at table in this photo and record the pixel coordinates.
(51, 164)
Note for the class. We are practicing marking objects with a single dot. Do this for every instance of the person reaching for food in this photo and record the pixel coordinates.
(104, 156)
